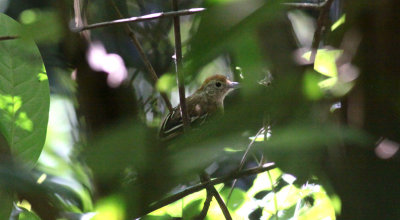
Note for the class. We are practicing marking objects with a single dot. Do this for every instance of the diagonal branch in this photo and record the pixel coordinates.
(178, 67)
(139, 18)
(243, 161)
(143, 55)
(236, 175)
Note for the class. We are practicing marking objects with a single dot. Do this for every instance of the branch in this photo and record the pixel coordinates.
(80, 20)
(243, 160)
(315, 6)
(204, 177)
(143, 55)
(178, 67)
(139, 18)
(206, 206)
(8, 37)
(236, 175)
(324, 11)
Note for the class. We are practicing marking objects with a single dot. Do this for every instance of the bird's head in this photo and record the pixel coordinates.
(217, 87)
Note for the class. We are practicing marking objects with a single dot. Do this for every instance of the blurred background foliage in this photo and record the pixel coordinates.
(328, 118)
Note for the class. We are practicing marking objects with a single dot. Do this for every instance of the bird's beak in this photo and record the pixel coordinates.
(234, 85)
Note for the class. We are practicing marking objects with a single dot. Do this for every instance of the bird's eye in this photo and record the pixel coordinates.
(218, 84)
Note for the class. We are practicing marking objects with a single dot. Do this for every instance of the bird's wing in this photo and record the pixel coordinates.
(173, 123)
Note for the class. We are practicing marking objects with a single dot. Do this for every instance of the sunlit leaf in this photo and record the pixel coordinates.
(325, 61)
(262, 182)
(339, 22)
(166, 83)
(327, 83)
(24, 204)
(336, 203)
(321, 208)
(112, 207)
(24, 93)
(310, 86)
(175, 209)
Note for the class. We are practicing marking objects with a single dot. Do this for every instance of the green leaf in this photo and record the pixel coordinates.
(6, 204)
(166, 83)
(43, 26)
(262, 182)
(24, 93)
(27, 215)
(325, 61)
(112, 207)
(311, 87)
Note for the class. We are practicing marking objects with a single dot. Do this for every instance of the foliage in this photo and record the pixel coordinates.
(90, 148)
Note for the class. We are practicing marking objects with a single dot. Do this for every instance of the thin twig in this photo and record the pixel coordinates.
(143, 56)
(243, 160)
(316, 6)
(213, 192)
(274, 191)
(324, 11)
(139, 18)
(8, 37)
(178, 67)
(201, 186)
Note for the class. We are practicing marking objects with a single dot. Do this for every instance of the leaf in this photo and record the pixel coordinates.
(325, 62)
(24, 93)
(6, 204)
(311, 87)
(339, 22)
(43, 26)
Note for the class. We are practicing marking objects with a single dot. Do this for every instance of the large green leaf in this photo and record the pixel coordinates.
(24, 93)
(6, 203)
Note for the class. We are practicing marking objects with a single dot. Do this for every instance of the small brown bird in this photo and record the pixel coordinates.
(208, 99)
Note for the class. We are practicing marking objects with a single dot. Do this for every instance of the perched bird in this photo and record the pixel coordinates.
(208, 99)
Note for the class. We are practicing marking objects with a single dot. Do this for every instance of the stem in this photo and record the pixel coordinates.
(206, 206)
(178, 67)
(79, 19)
(213, 192)
(8, 37)
(324, 11)
(275, 199)
(243, 160)
(139, 18)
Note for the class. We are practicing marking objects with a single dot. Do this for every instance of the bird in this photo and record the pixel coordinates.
(205, 101)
